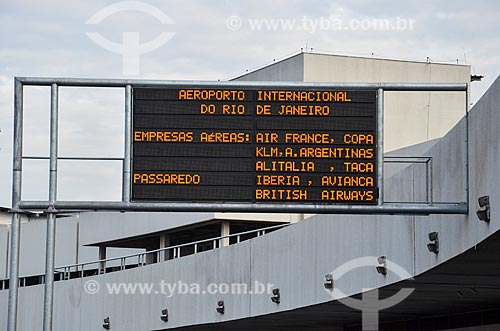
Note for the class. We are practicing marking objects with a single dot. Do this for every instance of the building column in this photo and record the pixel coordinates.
(102, 256)
(164, 242)
(225, 231)
(151, 257)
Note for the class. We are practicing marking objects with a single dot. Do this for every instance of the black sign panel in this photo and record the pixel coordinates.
(255, 145)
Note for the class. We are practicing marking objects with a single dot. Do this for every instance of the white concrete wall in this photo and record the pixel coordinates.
(290, 69)
(410, 118)
(5, 218)
(32, 250)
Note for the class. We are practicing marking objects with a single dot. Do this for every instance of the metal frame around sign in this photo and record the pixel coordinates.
(53, 206)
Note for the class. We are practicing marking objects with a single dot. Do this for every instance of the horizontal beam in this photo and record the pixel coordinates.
(75, 158)
(387, 208)
(88, 82)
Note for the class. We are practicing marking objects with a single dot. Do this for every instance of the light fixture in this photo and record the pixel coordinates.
(164, 315)
(220, 307)
(433, 247)
(483, 213)
(276, 298)
(382, 265)
(476, 78)
(106, 325)
(328, 281)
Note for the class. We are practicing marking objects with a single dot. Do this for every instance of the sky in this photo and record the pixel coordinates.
(197, 40)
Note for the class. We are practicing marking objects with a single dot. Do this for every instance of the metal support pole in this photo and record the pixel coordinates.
(402, 208)
(128, 145)
(15, 230)
(467, 149)
(430, 189)
(380, 145)
(51, 219)
(47, 81)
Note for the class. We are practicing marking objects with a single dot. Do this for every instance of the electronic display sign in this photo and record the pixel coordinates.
(249, 144)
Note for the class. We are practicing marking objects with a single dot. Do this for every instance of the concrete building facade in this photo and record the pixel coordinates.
(410, 118)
